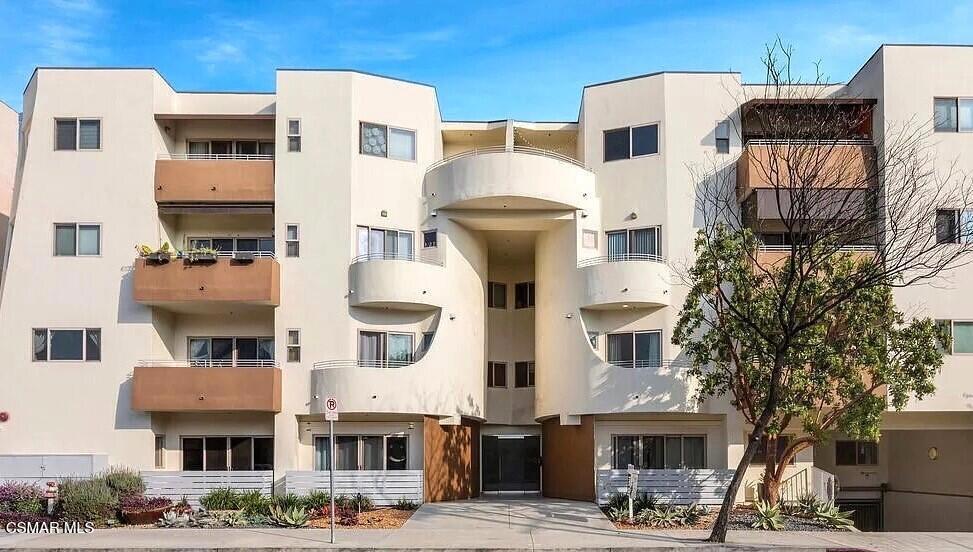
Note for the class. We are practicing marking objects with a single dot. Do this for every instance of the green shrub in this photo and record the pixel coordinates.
(287, 501)
(316, 500)
(362, 503)
(21, 498)
(342, 501)
(253, 502)
(123, 482)
(618, 500)
(833, 516)
(221, 499)
(87, 500)
(663, 516)
(615, 513)
(768, 517)
(406, 504)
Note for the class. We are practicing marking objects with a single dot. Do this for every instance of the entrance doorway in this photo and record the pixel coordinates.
(512, 464)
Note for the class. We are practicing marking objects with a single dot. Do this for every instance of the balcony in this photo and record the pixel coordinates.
(773, 255)
(206, 386)
(838, 165)
(226, 278)
(403, 282)
(214, 179)
(519, 178)
(625, 281)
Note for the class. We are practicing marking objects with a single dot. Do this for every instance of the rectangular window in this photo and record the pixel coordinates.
(636, 243)
(856, 453)
(947, 226)
(384, 141)
(593, 339)
(231, 245)
(292, 240)
(160, 452)
(617, 145)
(430, 238)
(263, 453)
(346, 452)
(293, 345)
(524, 295)
(192, 454)
(77, 240)
(235, 453)
(659, 451)
(962, 337)
(761, 455)
(293, 135)
(77, 134)
(722, 135)
(362, 452)
(625, 451)
(524, 374)
(645, 140)
(216, 454)
(635, 349)
(66, 344)
(379, 243)
(379, 349)
(396, 452)
(231, 351)
(322, 453)
(945, 116)
(496, 374)
(496, 295)
(426, 342)
(629, 142)
(402, 144)
(241, 453)
(589, 239)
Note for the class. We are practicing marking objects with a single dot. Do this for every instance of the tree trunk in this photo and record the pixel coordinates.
(722, 520)
(771, 488)
(771, 484)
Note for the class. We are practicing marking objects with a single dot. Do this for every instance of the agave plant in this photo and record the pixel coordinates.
(665, 516)
(230, 518)
(689, 515)
(768, 517)
(830, 514)
(174, 519)
(294, 516)
(617, 513)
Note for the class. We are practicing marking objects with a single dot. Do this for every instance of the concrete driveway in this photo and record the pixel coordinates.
(518, 514)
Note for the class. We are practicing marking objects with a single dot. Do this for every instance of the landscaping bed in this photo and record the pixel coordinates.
(741, 519)
(383, 518)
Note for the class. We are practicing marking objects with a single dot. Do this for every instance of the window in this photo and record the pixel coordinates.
(426, 342)
(961, 333)
(362, 452)
(954, 226)
(658, 451)
(524, 295)
(293, 345)
(249, 245)
(636, 243)
(722, 135)
(629, 142)
(231, 351)
(77, 240)
(160, 452)
(211, 149)
(386, 141)
(593, 339)
(292, 240)
(589, 239)
(293, 135)
(496, 374)
(67, 344)
(856, 453)
(524, 374)
(77, 134)
(760, 457)
(221, 453)
(496, 295)
(430, 238)
(636, 349)
(380, 349)
(378, 243)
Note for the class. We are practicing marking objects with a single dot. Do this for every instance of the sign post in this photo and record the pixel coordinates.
(633, 489)
(331, 414)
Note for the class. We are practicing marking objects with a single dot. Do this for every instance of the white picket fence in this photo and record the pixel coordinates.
(384, 487)
(194, 484)
(678, 486)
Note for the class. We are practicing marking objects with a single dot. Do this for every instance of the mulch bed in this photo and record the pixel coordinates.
(385, 518)
(741, 519)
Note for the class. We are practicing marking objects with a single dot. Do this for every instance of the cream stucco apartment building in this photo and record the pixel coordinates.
(490, 302)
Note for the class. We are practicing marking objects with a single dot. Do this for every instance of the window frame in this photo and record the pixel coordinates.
(386, 362)
(235, 359)
(435, 238)
(857, 443)
(360, 461)
(298, 136)
(159, 445)
(724, 124)
(77, 238)
(235, 239)
(490, 303)
(291, 346)
(530, 376)
(84, 344)
(593, 234)
(388, 132)
(491, 375)
(288, 241)
(952, 334)
(229, 450)
(77, 133)
(628, 239)
(635, 361)
(531, 287)
(370, 255)
(631, 141)
(639, 446)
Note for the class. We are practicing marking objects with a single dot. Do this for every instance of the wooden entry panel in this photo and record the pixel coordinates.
(450, 460)
(569, 459)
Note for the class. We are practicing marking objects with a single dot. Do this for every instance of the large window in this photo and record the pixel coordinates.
(362, 452)
(641, 349)
(524, 374)
(380, 349)
(496, 295)
(524, 295)
(629, 142)
(82, 344)
(385, 141)
(231, 351)
(961, 334)
(658, 451)
(953, 114)
(496, 374)
(77, 240)
(250, 245)
(379, 243)
(856, 453)
(77, 134)
(216, 149)
(222, 453)
(635, 243)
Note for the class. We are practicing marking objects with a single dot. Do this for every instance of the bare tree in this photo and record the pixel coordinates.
(815, 189)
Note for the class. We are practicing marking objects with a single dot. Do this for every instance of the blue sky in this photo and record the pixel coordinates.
(488, 60)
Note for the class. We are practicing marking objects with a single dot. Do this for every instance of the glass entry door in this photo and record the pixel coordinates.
(511, 463)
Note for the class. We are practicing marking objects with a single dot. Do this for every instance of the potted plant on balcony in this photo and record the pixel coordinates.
(201, 255)
(161, 255)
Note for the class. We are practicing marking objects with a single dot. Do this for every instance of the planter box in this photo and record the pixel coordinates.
(147, 517)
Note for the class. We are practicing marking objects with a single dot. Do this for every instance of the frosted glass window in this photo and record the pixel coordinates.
(402, 144)
(963, 337)
(374, 140)
(944, 115)
(89, 239)
(89, 135)
(65, 240)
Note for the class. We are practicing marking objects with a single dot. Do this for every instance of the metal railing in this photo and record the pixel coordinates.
(795, 486)
(223, 254)
(796, 142)
(382, 256)
(622, 257)
(649, 364)
(771, 248)
(217, 156)
(359, 363)
(527, 150)
(208, 363)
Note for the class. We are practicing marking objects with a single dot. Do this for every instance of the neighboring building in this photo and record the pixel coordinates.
(9, 138)
(491, 303)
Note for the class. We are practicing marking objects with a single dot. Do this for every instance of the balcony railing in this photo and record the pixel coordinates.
(382, 256)
(622, 257)
(208, 363)
(503, 149)
(357, 363)
(217, 156)
(786, 248)
(651, 364)
(794, 142)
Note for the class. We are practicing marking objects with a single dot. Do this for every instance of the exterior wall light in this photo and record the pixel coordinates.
(933, 453)
(385, 213)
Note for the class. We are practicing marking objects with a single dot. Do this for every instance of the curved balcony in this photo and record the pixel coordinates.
(521, 178)
(402, 282)
(625, 281)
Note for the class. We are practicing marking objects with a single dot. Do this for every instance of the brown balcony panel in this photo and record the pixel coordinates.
(853, 165)
(222, 282)
(214, 181)
(767, 258)
(192, 389)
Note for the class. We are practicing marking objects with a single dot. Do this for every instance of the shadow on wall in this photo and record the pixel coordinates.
(130, 312)
(125, 417)
(450, 460)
